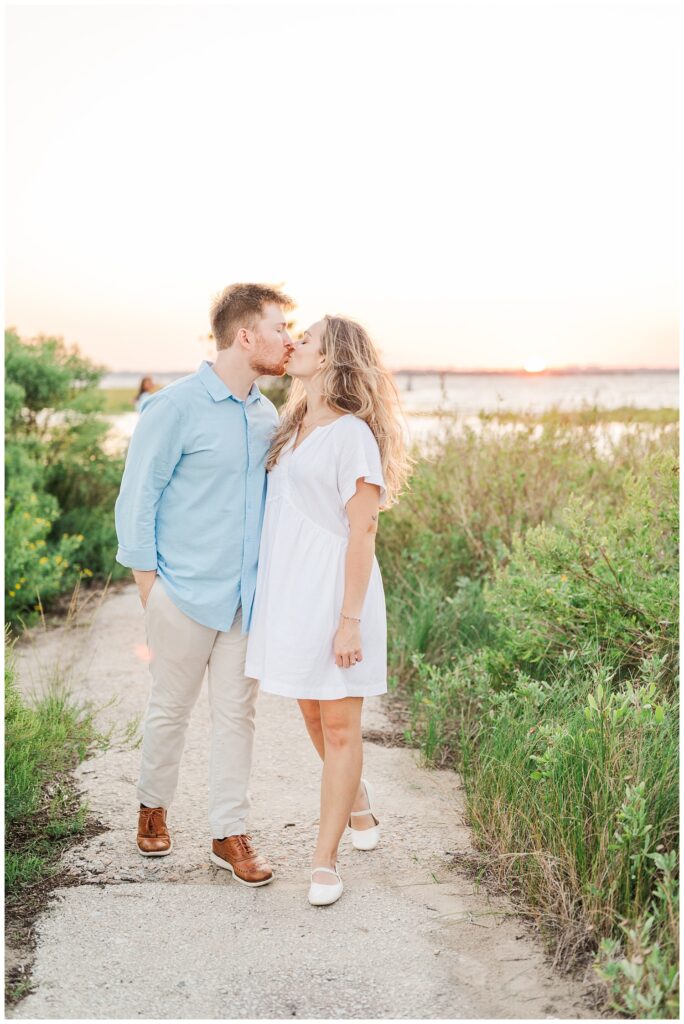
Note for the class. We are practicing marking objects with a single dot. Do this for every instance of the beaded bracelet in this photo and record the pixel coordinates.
(349, 618)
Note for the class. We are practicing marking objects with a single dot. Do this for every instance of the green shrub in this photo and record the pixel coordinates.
(478, 489)
(36, 569)
(602, 588)
(531, 579)
(60, 485)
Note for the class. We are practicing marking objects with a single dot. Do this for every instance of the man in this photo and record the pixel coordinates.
(188, 521)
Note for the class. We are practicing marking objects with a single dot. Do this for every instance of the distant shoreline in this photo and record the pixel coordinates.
(569, 371)
(561, 371)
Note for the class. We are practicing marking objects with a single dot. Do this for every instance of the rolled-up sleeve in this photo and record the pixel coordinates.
(154, 452)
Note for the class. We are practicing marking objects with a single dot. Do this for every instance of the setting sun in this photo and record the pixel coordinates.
(534, 365)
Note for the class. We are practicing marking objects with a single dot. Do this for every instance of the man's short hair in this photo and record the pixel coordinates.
(241, 305)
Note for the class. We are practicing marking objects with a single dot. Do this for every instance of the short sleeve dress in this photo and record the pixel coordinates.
(300, 580)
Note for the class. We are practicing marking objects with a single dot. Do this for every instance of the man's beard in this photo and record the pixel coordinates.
(261, 366)
(270, 369)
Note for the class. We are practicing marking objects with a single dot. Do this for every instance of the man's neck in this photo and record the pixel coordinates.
(236, 374)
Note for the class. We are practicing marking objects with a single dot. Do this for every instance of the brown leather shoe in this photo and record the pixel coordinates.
(153, 835)
(238, 856)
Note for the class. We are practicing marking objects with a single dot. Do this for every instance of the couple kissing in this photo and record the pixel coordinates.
(252, 543)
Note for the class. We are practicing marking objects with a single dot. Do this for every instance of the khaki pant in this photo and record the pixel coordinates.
(181, 650)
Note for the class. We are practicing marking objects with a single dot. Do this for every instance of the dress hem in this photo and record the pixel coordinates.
(375, 690)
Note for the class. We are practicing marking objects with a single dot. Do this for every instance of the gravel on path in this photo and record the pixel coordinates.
(177, 938)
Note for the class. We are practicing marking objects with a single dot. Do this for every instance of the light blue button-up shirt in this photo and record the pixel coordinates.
(192, 496)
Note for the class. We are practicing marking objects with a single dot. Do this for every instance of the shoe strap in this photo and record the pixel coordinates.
(328, 871)
(358, 814)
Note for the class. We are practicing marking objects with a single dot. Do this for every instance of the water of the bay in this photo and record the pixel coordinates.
(466, 395)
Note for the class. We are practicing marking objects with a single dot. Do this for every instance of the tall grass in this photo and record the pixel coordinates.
(532, 598)
(43, 742)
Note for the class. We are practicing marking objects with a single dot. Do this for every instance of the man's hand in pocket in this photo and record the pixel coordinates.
(145, 581)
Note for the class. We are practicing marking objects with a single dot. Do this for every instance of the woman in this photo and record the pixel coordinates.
(145, 390)
(319, 629)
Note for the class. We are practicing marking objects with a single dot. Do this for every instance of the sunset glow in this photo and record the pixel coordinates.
(464, 192)
(534, 366)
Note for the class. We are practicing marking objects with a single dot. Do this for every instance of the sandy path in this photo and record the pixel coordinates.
(178, 938)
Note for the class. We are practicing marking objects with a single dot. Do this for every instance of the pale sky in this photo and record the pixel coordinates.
(481, 185)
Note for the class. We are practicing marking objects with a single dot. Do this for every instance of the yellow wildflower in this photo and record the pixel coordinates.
(58, 559)
(11, 593)
(87, 572)
(564, 579)
(43, 560)
(17, 586)
(79, 536)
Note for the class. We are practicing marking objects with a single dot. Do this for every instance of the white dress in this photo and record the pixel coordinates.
(300, 579)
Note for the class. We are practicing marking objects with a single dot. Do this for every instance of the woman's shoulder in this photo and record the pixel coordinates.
(352, 429)
(354, 425)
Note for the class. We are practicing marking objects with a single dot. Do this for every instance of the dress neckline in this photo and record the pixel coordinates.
(294, 448)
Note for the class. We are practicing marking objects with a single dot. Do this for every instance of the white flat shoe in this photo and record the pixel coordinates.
(365, 838)
(321, 895)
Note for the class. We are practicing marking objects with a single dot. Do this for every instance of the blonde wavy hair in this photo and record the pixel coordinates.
(354, 381)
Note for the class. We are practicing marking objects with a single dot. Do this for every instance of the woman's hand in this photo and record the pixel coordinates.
(347, 644)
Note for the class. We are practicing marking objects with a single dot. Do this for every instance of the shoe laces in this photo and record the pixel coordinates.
(244, 844)
(153, 820)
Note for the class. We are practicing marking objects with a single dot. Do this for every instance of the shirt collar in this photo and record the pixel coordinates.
(218, 390)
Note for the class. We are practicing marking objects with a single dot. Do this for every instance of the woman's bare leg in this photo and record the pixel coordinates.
(311, 712)
(341, 721)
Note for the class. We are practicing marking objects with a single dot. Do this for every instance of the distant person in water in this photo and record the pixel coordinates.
(145, 390)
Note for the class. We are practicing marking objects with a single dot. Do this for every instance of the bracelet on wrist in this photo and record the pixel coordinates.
(349, 618)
